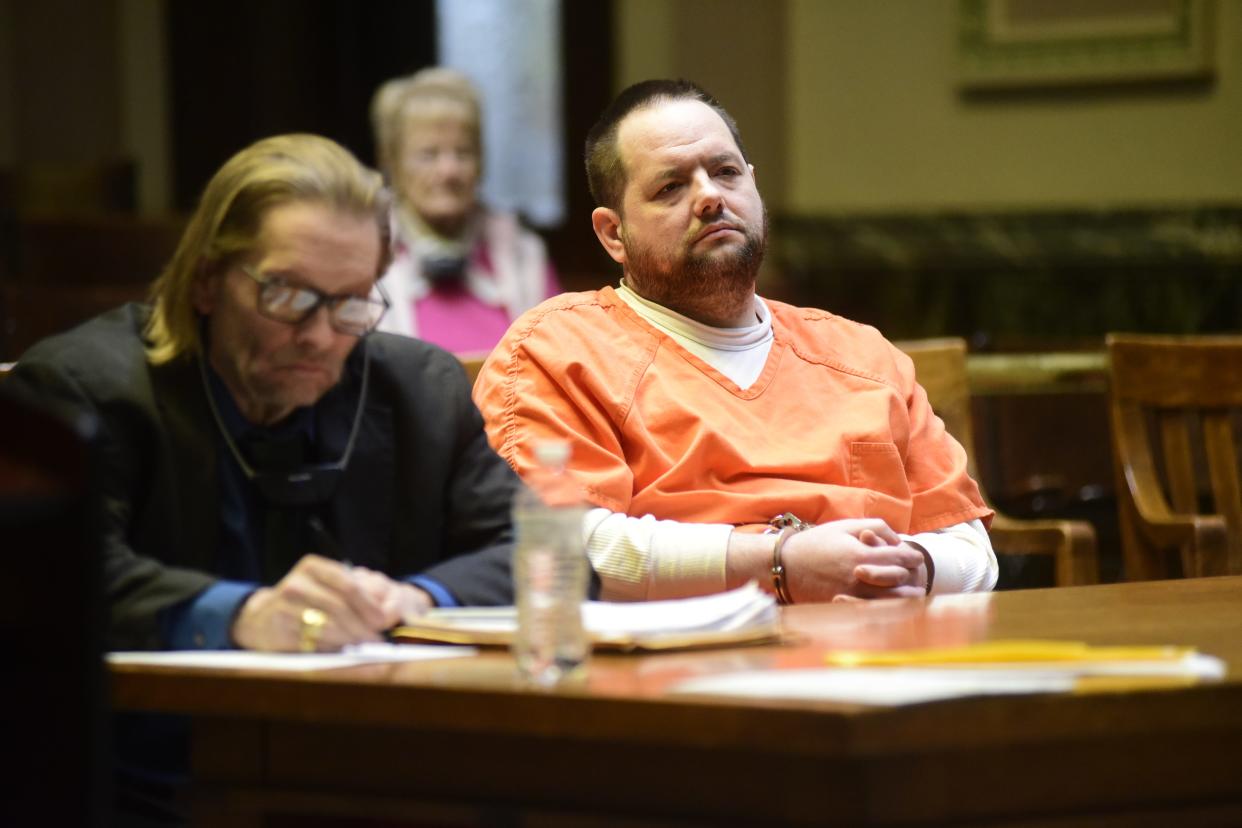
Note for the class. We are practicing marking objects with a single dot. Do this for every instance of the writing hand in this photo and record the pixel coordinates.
(272, 617)
(400, 602)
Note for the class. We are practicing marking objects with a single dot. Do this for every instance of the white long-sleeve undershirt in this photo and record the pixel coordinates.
(645, 559)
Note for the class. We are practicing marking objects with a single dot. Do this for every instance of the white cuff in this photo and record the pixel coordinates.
(644, 559)
(963, 557)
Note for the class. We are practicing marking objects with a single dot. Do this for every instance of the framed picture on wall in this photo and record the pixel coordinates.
(1042, 43)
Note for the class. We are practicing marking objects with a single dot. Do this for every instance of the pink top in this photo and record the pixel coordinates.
(454, 318)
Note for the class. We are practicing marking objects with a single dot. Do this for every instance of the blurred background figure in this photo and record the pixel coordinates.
(461, 272)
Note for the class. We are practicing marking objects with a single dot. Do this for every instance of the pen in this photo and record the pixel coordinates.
(329, 546)
(324, 541)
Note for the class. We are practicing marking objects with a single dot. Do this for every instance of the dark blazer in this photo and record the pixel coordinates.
(423, 491)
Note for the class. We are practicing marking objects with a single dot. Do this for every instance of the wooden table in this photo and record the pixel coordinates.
(458, 742)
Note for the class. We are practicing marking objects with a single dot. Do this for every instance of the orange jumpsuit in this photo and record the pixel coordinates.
(834, 427)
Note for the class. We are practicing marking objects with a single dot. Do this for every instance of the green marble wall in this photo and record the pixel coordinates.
(1015, 280)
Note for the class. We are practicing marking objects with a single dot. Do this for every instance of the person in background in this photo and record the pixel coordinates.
(700, 414)
(461, 272)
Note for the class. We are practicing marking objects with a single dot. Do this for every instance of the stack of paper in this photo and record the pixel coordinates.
(743, 615)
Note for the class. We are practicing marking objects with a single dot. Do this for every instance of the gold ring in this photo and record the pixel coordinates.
(312, 627)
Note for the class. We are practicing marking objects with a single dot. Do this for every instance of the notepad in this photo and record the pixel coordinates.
(740, 616)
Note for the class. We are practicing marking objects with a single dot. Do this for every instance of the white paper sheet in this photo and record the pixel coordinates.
(291, 662)
(886, 686)
(736, 609)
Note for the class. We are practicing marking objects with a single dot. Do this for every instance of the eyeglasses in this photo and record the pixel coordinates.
(293, 304)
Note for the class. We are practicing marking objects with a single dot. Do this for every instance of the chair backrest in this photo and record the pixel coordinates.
(1176, 403)
(473, 363)
(940, 366)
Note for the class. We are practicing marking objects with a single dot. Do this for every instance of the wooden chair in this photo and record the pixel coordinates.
(1175, 403)
(473, 363)
(940, 365)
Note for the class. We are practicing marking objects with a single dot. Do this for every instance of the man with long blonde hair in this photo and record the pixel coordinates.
(276, 475)
(271, 472)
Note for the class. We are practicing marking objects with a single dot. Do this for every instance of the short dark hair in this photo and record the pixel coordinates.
(605, 172)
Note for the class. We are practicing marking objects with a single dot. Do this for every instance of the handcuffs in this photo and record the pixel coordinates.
(786, 524)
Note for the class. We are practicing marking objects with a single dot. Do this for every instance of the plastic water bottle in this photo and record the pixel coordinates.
(550, 572)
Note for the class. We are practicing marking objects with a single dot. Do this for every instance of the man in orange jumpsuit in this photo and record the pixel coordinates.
(699, 412)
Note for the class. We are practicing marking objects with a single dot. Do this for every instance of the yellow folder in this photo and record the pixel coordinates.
(1004, 651)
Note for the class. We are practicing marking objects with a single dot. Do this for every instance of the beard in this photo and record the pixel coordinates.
(712, 287)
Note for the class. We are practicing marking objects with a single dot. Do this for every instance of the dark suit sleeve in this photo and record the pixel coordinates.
(137, 587)
(478, 493)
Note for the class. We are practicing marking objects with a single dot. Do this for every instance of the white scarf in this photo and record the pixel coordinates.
(516, 282)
